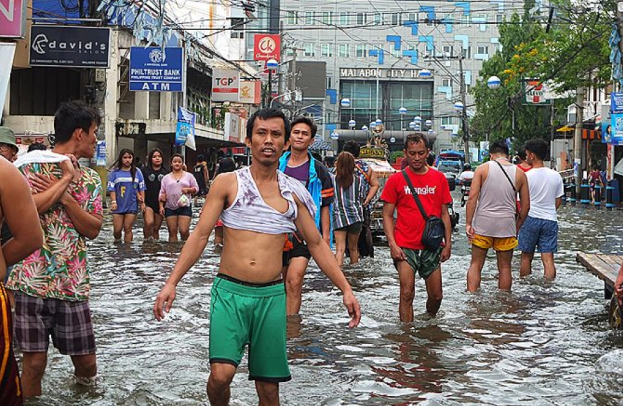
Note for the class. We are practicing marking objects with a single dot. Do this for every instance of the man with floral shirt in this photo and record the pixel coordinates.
(52, 284)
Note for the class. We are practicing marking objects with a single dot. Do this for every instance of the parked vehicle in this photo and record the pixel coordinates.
(466, 185)
(383, 171)
(451, 170)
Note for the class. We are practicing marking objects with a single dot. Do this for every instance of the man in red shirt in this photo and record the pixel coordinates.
(405, 237)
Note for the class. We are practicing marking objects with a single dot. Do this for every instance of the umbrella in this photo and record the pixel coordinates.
(319, 145)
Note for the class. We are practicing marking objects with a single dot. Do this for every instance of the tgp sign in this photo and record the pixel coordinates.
(12, 18)
(225, 83)
(266, 46)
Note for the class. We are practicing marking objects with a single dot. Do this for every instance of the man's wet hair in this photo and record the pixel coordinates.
(415, 138)
(538, 147)
(522, 153)
(266, 114)
(353, 147)
(71, 116)
(498, 147)
(306, 120)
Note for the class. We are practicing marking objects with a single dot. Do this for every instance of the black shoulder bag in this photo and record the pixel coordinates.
(434, 229)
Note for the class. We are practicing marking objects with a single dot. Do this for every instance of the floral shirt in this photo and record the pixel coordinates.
(59, 269)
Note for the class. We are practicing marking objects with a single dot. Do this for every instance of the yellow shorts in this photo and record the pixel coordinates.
(498, 244)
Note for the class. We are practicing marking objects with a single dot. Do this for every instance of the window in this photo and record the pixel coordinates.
(308, 50)
(396, 19)
(361, 18)
(309, 18)
(327, 17)
(344, 51)
(447, 50)
(464, 19)
(499, 18)
(344, 18)
(482, 50)
(467, 53)
(329, 82)
(326, 50)
(237, 34)
(292, 17)
(412, 16)
(377, 19)
(446, 82)
(482, 18)
(448, 120)
(361, 51)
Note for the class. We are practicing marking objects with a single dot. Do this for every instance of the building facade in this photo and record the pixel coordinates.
(382, 56)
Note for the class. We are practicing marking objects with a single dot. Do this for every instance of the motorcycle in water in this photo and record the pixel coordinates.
(465, 187)
(454, 217)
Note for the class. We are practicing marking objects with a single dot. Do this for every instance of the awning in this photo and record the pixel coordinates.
(565, 129)
(320, 145)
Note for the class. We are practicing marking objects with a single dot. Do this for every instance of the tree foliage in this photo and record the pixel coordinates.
(569, 51)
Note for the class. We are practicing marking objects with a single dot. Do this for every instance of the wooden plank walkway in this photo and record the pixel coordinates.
(605, 266)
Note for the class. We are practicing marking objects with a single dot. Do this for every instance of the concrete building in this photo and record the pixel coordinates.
(139, 120)
(386, 55)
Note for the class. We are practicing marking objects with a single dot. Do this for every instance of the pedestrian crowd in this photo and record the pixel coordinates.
(269, 218)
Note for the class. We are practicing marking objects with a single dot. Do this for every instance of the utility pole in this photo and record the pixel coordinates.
(464, 123)
(577, 141)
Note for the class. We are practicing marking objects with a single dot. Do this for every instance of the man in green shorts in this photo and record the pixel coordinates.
(258, 206)
(405, 237)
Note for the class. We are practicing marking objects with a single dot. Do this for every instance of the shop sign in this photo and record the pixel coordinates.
(13, 18)
(250, 92)
(75, 47)
(266, 46)
(535, 93)
(372, 153)
(7, 52)
(616, 122)
(616, 102)
(185, 129)
(606, 134)
(232, 127)
(157, 70)
(225, 84)
(380, 73)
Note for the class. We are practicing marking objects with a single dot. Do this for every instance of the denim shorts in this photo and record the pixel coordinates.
(538, 233)
(180, 211)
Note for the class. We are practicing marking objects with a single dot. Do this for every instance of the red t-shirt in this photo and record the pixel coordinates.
(433, 191)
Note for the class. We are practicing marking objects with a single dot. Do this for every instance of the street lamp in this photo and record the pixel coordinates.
(494, 82)
(335, 135)
(429, 123)
(345, 103)
(402, 111)
(412, 125)
(425, 73)
(352, 124)
(378, 121)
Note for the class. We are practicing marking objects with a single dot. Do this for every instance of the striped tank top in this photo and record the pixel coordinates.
(348, 204)
(249, 212)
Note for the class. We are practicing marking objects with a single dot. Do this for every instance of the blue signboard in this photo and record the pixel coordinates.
(185, 126)
(616, 129)
(616, 99)
(151, 69)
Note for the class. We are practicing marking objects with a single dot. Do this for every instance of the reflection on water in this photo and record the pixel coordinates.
(543, 343)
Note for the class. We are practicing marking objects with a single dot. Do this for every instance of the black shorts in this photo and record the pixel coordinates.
(180, 211)
(299, 249)
(155, 206)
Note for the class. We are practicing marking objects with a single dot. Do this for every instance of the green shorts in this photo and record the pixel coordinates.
(242, 315)
(424, 262)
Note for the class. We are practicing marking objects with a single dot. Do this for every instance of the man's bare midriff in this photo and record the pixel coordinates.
(242, 260)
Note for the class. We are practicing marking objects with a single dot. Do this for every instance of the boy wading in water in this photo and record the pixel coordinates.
(258, 206)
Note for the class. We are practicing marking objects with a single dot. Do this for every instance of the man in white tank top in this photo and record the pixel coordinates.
(248, 293)
(540, 229)
(491, 219)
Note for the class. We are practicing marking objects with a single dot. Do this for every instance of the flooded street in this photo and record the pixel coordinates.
(542, 344)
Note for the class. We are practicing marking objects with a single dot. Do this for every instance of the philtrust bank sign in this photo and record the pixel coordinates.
(365, 73)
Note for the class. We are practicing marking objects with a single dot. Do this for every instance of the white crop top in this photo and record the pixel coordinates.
(250, 212)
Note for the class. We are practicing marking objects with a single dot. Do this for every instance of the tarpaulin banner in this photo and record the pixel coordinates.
(185, 126)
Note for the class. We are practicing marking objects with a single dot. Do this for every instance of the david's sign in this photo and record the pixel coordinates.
(77, 47)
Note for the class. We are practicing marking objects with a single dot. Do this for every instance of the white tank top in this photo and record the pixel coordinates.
(249, 211)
